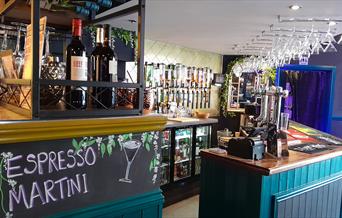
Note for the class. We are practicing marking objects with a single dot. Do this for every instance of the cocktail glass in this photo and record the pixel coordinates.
(131, 149)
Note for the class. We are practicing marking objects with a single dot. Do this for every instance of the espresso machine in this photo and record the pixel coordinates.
(265, 129)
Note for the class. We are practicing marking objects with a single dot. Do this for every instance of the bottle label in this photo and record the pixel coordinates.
(79, 68)
(113, 69)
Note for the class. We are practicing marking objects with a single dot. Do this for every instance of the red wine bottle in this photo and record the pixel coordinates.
(108, 68)
(96, 68)
(76, 68)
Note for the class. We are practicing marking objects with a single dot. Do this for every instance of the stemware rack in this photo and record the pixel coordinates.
(29, 104)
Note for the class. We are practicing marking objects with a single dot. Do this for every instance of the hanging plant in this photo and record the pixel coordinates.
(269, 73)
(126, 36)
(225, 87)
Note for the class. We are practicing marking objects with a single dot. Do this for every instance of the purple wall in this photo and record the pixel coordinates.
(333, 59)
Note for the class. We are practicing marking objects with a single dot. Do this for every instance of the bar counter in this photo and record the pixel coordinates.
(174, 124)
(269, 165)
(301, 185)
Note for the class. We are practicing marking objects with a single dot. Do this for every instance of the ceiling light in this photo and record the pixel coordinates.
(332, 23)
(295, 7)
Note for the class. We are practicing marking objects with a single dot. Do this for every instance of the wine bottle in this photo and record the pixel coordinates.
(87, 5)
(102, 3)
(106, 71)
(95, 59)
(76, 68)
(75, 8)
(109, 66)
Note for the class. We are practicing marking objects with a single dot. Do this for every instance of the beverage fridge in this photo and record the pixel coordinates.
(181, 152)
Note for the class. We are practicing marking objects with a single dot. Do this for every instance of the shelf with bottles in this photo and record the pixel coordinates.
(182, 170)
(183, 153)
(177, 76)
(164, 174)
(187, 87)
(58, 89)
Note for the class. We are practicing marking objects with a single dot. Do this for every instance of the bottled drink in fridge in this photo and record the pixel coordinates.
(76, 68)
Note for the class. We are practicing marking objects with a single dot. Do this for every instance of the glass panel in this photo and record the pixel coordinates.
(183, 154)
(165, 151)
(202, 142)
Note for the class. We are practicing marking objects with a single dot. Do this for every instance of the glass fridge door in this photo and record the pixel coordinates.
(166, 154)
(182, 164)
(202, 142)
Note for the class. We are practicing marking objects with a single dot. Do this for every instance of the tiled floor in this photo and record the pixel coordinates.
(183, 209)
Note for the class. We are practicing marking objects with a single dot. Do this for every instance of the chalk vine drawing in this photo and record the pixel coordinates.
(105, 145)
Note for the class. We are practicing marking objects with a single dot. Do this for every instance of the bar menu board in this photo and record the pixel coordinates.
(48, 177)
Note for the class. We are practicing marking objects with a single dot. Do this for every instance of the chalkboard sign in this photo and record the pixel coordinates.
(48, 177)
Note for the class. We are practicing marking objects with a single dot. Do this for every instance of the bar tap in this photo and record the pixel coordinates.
(262, 119)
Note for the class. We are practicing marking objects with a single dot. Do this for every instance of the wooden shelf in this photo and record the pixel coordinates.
(19, 10)
(8, 114)
(24, 82)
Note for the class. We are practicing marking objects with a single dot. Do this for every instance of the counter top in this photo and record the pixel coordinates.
(175, 124)
(270, 165)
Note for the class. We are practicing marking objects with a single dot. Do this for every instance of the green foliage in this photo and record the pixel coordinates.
(225, 87)
(127, 37)
(103, 149)
(269, 73)
(153, 164)
(127, 137)
(75, 144)
(147, 140)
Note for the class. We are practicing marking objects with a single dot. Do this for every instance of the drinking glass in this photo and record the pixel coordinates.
(284, 121)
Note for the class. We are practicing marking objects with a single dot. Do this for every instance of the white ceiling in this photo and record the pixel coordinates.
(216, 25)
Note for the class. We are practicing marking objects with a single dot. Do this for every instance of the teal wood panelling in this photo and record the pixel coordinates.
(295, 178)
(147, 205)
(322, 199)
(228, 191)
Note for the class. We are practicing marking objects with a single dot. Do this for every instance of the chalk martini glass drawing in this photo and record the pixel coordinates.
(131, 149)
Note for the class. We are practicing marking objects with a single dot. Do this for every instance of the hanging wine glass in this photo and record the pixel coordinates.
(3, 48)
(18, 55)
(317, 47)
(328, 41)
(4, 41)
(340, 41)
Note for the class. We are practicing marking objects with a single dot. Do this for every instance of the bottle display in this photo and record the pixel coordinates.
(187, 87)
(202, 142)
(165, 152)
(75, 8)
(183, 154)
(80, 7)
(76, 68)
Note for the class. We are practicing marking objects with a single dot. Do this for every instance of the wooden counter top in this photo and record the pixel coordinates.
(174, 124)
(269, 165)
